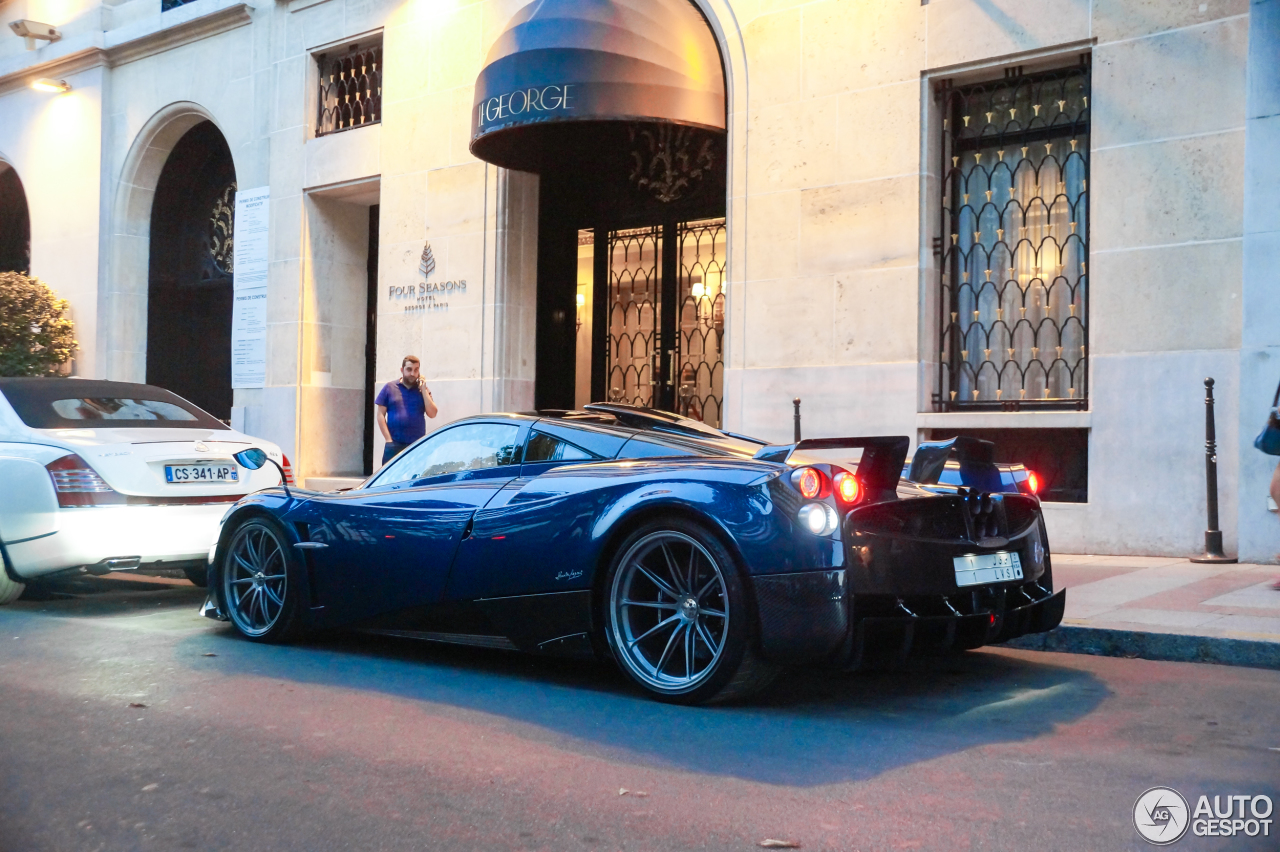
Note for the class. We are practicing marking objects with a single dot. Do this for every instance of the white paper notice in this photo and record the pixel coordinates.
(249, 338)
(253, 207)
(249, 315)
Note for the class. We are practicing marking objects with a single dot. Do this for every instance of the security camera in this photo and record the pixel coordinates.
(32, 30)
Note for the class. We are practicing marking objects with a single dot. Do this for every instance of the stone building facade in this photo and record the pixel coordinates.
(1039, 221)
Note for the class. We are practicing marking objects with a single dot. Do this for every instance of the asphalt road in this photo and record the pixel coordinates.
(368, 743)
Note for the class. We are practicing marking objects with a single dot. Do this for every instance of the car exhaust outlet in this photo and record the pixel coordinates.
(115, 563)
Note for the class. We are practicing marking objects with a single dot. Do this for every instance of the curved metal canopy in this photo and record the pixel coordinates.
(561, 61)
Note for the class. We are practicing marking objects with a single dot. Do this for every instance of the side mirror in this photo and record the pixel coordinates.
(252, 458)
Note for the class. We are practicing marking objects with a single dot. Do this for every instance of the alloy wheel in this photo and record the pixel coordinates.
(669, 610)
(255, 579)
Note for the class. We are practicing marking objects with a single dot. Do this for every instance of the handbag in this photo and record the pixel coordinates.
(1268, 439)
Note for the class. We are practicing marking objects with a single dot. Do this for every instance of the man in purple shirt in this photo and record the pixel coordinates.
(401, 406)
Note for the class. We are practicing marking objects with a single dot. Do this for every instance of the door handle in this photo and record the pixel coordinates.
(671, 367)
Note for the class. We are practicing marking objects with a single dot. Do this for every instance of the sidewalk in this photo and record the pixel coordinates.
(1163, 608)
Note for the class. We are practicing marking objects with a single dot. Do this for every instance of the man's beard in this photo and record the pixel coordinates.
(410, 382)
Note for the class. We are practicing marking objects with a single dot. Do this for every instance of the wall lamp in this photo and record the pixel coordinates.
(33, 30)
(44, 84)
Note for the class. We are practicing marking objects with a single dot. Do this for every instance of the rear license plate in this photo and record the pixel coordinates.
(986, 568)
(201, 473)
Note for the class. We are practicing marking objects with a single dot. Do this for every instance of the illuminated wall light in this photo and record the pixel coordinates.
(45, 84)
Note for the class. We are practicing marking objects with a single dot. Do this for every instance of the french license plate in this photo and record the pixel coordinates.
(983, 568)
(201, 473)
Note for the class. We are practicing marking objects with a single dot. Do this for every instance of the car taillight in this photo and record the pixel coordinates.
(1033, 481)
(78, 484)
(810, 481)
(847, 487)
(288, 470)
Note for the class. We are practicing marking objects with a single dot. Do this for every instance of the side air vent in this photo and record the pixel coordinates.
(1019, 513)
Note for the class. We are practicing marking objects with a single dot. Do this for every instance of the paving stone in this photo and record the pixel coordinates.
(1160, 608)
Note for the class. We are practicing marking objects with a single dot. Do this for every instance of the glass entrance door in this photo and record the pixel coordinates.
(634, 355)
(663, 294)
(699, 344)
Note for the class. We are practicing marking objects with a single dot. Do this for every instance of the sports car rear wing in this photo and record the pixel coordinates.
(978, 468)
(881, 463)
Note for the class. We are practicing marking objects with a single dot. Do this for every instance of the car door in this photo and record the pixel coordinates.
(496, 563)
(390, 546)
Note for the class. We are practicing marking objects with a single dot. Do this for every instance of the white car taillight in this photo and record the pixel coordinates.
(78, 484)
(288, 470)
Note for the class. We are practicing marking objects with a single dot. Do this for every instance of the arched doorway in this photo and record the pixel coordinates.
(15, 223)
(189, 289)
(628, 136)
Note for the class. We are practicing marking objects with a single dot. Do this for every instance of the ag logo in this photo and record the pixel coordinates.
(1161, 816)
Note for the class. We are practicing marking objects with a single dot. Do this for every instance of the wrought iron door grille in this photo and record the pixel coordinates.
(350, 89)
(222, 228)
(635, 294)
(700, 325)
(1014, 251)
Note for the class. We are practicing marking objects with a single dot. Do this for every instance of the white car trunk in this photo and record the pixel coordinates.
(133, 461)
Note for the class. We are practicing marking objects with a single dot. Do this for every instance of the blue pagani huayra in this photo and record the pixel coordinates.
(700, 561)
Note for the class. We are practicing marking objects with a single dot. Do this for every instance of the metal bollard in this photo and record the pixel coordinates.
(1213, 535)
(796, 403)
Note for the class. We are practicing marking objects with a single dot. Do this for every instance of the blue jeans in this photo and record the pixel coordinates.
(390, 450)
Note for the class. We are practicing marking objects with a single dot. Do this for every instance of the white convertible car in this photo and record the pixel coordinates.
(100, 476)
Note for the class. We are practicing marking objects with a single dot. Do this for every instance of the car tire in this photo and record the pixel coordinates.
(677, 617)
(10, 590)
(197, 574)
(261, 583)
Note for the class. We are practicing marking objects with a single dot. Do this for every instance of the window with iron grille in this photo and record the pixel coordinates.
(350, 87)
(1014, 246)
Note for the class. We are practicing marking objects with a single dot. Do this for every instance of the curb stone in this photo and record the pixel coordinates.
(1171, 647)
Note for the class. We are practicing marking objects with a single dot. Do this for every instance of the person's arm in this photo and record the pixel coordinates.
(429, 403)
(382, 422)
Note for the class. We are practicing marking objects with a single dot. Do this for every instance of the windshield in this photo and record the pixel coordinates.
(471, 446)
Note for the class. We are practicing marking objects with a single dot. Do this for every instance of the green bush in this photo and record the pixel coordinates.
(36, 335)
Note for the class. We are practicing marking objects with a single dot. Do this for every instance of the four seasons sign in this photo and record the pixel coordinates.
(428, 295)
